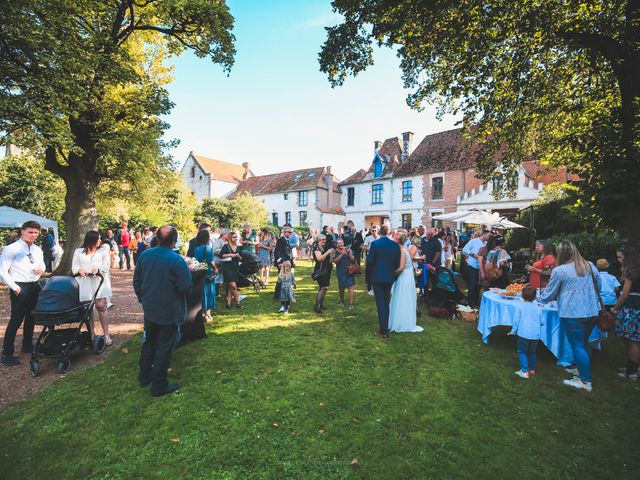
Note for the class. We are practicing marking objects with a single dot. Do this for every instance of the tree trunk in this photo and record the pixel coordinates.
(79, 217)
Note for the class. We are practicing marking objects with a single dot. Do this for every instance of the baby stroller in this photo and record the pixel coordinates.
(58, 304)
(249, 268)
(445, 292)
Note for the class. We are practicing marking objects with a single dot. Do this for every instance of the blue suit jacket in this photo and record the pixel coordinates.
(382, 260)
(161, 279)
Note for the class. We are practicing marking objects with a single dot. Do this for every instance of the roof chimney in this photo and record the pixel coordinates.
(245, 175)
(376, 145)
(407, 140)
(328, 169)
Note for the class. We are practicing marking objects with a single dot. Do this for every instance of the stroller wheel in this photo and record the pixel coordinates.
(35, 368)
(64, 365)
(97, 345)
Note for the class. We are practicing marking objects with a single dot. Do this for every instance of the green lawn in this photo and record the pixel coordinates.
(268, 396)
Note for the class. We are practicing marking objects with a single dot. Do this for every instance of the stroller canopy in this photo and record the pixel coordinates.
(58, 294)
(249, 264)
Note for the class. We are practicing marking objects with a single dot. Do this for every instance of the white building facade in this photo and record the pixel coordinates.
(208, 177)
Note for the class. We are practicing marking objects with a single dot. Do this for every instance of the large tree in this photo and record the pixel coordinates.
(81, 83)
(554, 79)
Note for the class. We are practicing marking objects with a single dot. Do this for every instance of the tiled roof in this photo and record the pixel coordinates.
(441, 152)
(306, 179)
(545, 175)
(355, 178)
(391, 148)
(219, 170)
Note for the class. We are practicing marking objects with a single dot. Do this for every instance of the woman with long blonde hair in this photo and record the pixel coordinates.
(572, 285)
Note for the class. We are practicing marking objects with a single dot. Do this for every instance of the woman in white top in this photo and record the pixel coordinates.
(446, 258)
(92, 258)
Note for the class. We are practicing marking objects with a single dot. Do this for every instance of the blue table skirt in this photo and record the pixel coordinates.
(496, 310)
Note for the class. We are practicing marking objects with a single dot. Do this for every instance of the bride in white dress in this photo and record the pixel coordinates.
(402, 311)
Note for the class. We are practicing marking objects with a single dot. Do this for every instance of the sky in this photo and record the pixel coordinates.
(276, 110)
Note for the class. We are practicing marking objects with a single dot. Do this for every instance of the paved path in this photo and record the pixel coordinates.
(125, 319)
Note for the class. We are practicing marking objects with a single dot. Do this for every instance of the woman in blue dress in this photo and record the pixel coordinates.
(343, 257)
(265, 246)
(204, 254)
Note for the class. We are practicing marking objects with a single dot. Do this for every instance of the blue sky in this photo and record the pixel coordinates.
(276, 110)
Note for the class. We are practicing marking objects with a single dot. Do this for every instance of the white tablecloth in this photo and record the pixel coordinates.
(498, 310)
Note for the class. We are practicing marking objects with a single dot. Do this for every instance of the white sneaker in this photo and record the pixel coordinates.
(370, 292)
(107, 341)
(286, 311)
(576, 382)
(282, 309)
(572, 371)
(522, 374)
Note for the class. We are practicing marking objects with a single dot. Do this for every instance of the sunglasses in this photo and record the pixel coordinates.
(30, 255)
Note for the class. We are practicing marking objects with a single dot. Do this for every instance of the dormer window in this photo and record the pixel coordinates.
(377, 168)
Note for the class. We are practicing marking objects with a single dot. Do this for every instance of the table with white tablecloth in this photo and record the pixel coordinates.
(496, 310)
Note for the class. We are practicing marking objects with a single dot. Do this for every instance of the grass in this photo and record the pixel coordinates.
(267, 396)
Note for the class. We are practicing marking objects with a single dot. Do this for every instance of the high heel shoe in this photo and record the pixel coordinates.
(238, 306)
(228, 305)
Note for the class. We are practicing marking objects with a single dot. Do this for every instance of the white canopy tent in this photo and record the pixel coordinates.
(478, 217)
(11, 218)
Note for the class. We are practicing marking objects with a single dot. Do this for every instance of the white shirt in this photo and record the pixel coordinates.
(88, 285)
(17, 263)
(446, 254)
(473, 247)
(368, 240)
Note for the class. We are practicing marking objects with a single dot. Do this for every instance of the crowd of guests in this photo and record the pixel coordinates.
(400, 266)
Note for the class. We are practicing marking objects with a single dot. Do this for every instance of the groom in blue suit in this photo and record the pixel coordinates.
(382, 261)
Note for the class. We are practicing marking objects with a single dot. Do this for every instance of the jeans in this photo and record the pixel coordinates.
(527, 353)
(124, 251)
(473, 284)
(21, 306)
(158, 342)
(578, 331)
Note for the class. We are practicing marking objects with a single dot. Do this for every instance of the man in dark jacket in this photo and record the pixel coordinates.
(160, 280)
(382, 261)
(283, 252)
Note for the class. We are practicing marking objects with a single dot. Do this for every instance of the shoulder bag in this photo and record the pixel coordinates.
(606, 320)
(354, 269)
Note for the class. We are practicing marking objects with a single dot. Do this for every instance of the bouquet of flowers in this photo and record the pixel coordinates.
(194, 265)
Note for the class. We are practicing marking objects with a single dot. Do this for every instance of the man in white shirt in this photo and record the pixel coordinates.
(470, 251)
(373, 236)
(21, 265)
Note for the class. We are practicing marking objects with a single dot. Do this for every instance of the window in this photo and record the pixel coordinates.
(377, 168)
(299, 175)
(286, 196)
(193, 172)
(436, 188)
(274, 218)
(287, 217)
(303, 218)
(351, 196)
(502, 182)
(407, 191)
(376, 193)
(302, 198)
(312, 174)
(406, 221)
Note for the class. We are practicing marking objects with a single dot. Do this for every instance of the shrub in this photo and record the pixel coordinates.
(594, 245)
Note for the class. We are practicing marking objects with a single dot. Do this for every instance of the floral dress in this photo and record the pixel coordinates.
(264, 255)
(628, 324)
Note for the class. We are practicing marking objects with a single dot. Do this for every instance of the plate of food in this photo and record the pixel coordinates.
(509, 295)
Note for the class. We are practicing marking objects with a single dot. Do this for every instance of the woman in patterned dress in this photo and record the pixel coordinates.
(628, 309)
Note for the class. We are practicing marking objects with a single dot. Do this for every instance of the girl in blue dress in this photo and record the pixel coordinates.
(204, 254)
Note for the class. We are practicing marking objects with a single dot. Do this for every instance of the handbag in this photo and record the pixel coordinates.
(318, 271)
(606, 320)
(354, 269)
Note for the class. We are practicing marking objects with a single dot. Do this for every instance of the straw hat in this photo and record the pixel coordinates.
(602, 264)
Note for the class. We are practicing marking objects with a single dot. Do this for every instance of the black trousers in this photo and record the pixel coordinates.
(21, 306)
(473, 284)
(48, 264)
(155, 357)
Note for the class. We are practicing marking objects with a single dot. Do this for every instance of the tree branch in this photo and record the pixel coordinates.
(51, 162)
(607, 47)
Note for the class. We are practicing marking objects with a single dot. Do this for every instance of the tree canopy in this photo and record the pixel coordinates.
(81, 84)
(232, 213)
(557, 80)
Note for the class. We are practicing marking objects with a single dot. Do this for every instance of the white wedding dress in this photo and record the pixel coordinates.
(402, 311)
